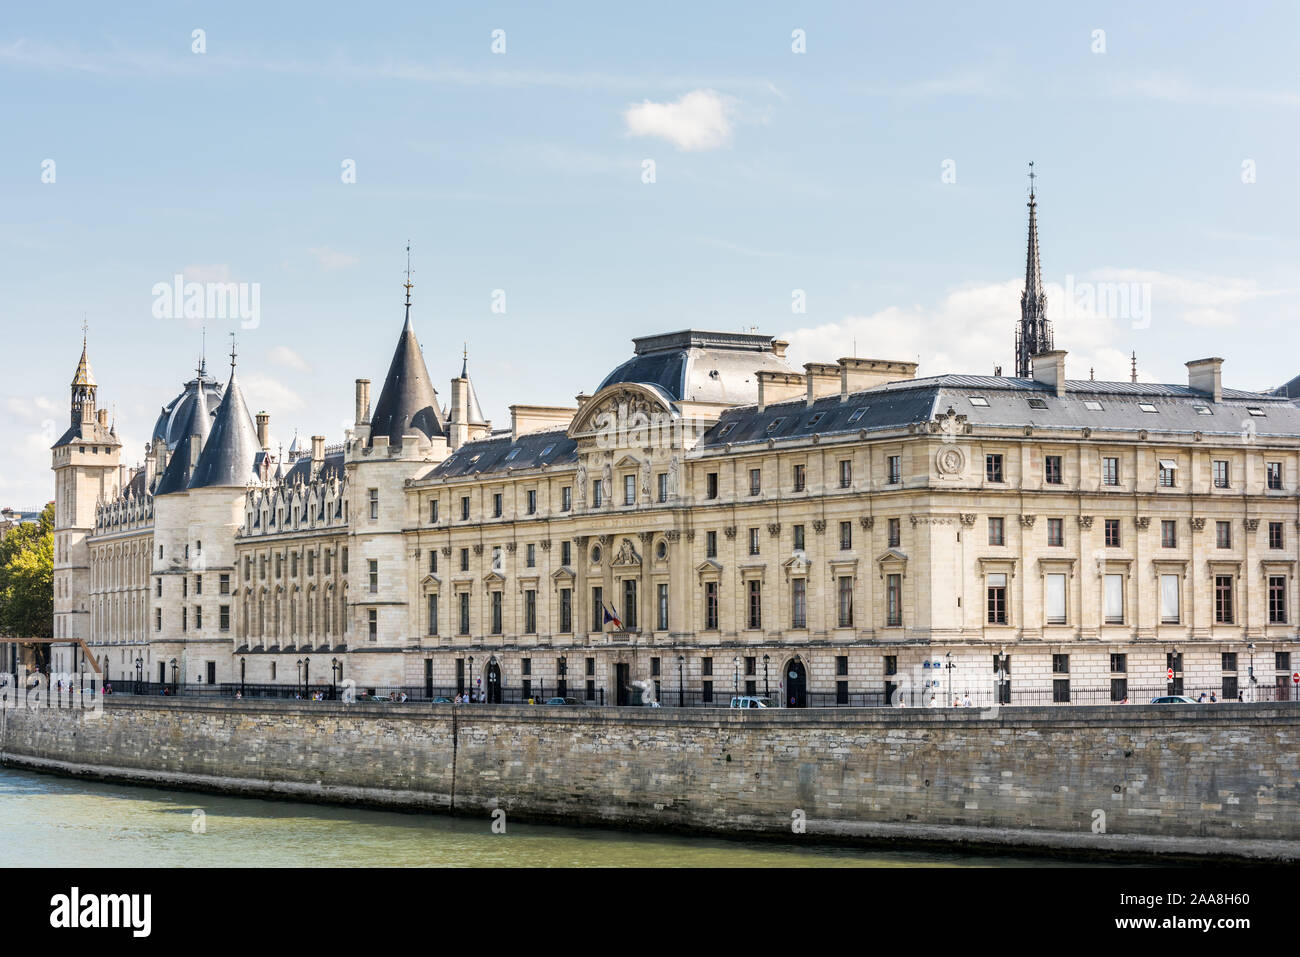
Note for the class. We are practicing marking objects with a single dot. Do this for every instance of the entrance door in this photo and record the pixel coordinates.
(494, 682)
(460, 676)
(796, 684)
(623, 684)
(162, 672)
(212, 672)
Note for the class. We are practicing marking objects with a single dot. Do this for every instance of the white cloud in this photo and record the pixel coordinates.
(700, 120)
(333, 259)
(268, 393)
(284, 356)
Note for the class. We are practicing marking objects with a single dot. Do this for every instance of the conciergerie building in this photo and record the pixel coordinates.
(708, 519)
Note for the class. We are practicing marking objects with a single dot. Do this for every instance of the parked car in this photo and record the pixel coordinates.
(747, 701)
(1173, 699)
(442, 699)
(562, 701)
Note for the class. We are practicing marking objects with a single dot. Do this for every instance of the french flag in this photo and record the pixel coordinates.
(610, 617)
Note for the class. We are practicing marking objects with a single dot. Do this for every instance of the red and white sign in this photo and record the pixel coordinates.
(1171, 674)
(1295, 677)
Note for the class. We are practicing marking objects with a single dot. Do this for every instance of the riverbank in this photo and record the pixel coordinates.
(1138, 781)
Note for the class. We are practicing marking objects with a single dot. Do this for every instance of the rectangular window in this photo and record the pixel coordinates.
(891, 664)
(755, 481)
(464, 508)
(1228, 661)
(1221, 474)
(433, 614)
(530, 611)
(566, 611)
(223, 584)
(433, 511)
(997, 531)
(997, 599)
(372, 624)
(1109, 471)
(566, 498)
(1223, 534)
(894, 470)
(530, 555)
(1168, 533)
(566, 552)
(846, 473)
(629, 489)
(1170, 607)
(1055, 585)
(1223, 599)
(1052, 470)
(1113, 599)
(846, 536)
(1274, 475)
(597, 488)
(895, 532)
(844, 596)
(1277, 600)
(198, 579)
(1275, 535)
(597, 608)
(798, 538)
(710, 544)
(663, 486)
(374, 576)
(496, 504)
(755, 616)
(198, 617)
(1118, 689)
(710, 606)
(1119, 663)
(1112, 533)
(800, 477)
(1281, 661)
(894, 600)
(662, 623)
(433, 561)
(464, 559)
(993, 468)
(374, 504)
(531, 499)
(1168, 473)
(711, 485)
(496, 612)
(1060, 664)
(157, 619)
(1056, 531)
(223, 617)
(799, 603)
(343, 561)
(630, 617)
(464, 613)
(753, 541)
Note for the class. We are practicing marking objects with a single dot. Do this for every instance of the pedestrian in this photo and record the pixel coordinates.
(965, 701)
(1201, 699)
(1213, 698)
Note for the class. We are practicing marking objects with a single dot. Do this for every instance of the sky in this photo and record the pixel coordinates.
(849, 177)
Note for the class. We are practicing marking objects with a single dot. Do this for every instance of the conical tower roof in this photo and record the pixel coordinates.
(473, 411)
(176, 477)
(408, 401)
(230, 454)
(83, 375)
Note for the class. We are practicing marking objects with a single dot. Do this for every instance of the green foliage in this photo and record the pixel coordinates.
(27, 579)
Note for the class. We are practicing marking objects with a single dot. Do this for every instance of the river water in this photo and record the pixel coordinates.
(50, 821)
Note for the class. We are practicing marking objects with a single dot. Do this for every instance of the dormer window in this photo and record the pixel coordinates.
(1037, 403)
(774, 425)
(513, 454)
(815, 419)
(1147, 407)
(1203, 410)
(979, 401)
(726, 428)
(548, 450)
(1092, 405)
(1255, 410)
(857, 414)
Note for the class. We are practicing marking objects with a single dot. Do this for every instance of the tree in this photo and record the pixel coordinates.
(27, 579)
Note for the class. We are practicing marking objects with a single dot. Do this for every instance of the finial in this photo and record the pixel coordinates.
(232, 352)
(1133, 376)
(85, 327)
(408, 282)
(1092, 374)
(1032, 177)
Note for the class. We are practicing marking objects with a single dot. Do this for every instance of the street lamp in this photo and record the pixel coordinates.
(243, 669)
(471, 677)
(139, 673)
(1251, 674)
(736, 662)
(1001, 663)
(299, 689)
(563, 688)
(948, 659)
(306, 675)
(336, 668)
(681, 683)
(175, 676)
(494, 681)
(766, 691)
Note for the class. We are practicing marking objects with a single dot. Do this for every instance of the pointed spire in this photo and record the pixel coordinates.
(176, 477)
(1034, 334)
(408, 401)
(464, 363)
(229, 457)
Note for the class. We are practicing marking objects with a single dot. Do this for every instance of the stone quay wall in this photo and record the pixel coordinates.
(1210, 780)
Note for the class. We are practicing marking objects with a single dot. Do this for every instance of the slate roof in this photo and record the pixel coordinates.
(176, 476)
(697, 366)
(408, 400)
(301, 469)
(493, 454)
(176, 413)
(230, 455)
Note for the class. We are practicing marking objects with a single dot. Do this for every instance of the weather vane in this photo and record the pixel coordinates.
(1032, 177)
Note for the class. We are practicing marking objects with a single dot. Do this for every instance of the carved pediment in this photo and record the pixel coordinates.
(563, 573)
(626, 554)
(623, 411)
(430, 583)
(493, 577)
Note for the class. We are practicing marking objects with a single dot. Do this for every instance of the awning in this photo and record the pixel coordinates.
(1168, 464)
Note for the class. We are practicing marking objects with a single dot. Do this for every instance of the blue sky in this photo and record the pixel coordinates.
(881, 173)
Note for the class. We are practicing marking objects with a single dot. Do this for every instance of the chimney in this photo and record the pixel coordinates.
(778, 348)
(264, 431)
(101, 416)
(1049, 369)
(363, 401)
(823, 379)
(858, 374)
(317, 454)
(1206, 375)
(777, 387)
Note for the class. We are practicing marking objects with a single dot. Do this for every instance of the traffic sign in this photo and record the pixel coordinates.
(1295, 677)
(1171, 674)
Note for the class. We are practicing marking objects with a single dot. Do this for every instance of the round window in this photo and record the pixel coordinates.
(662, 551)
(595, 555)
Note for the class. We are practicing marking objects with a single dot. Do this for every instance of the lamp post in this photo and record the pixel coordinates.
(766, 691)
(139, 673)
(1251, 674)
(175, 676)
(494, 681)
(681, 682)
(736, 686)
(335, 668)
(471, 677)
(243, 669)
(1001, 662)
(563, 688)
(948, 659)
(299, 688)
(306, 675)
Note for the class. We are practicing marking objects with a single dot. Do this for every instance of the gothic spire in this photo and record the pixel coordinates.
(1034, 334)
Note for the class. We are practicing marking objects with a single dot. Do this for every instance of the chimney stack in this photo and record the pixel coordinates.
(1049, 369)
(264, 431)
(363, 402)
(102, 417)
(1206, 375)
(317, 454)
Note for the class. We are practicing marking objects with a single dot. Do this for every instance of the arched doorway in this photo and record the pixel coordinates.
(796, 684)
(493, 682)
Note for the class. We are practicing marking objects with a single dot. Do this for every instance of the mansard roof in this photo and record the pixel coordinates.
(897, 405)
(178, 473)
(697, 366)
(497, 453)
(408, 401)
(176, 413)
(300, 471)
(230, 455)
